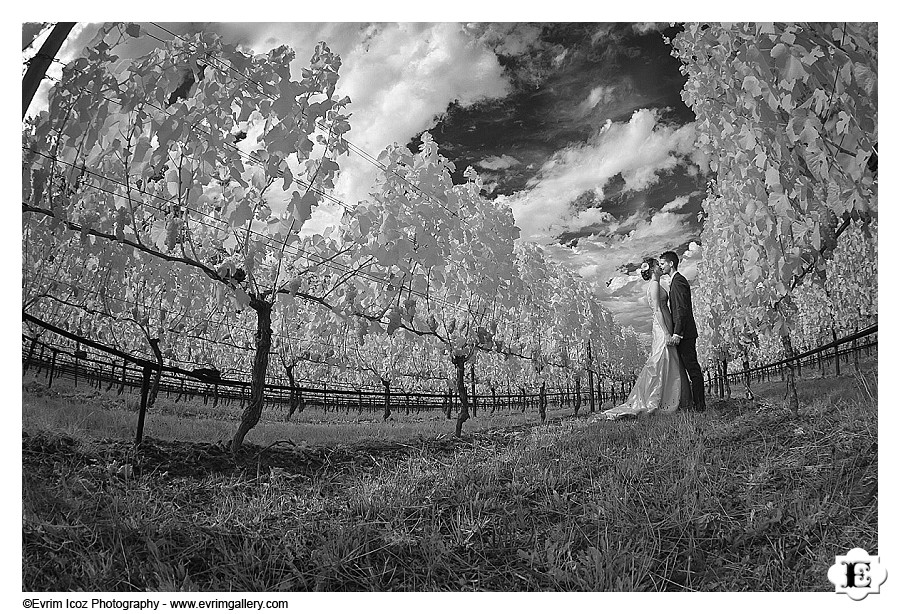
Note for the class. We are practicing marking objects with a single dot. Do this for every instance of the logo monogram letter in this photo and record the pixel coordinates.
(858, 575)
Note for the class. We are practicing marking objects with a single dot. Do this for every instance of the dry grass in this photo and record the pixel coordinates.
(741, 498)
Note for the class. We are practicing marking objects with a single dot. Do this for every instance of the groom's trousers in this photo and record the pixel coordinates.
(687, 351)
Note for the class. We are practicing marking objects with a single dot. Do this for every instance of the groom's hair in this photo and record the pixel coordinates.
(670, 257)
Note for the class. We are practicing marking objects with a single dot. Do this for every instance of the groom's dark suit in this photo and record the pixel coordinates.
(683, 322)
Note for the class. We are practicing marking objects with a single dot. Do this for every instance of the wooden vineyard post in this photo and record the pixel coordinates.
(577, 399)
(721, 371)
(124, 375)
(387, 398)
(40, 361)
(474, 397)
(793, 401)
(725, 382)
(112, 375)
(145, 391)
(542, 406)
(81, 354)
(292, 396)
(52, 368)
(494, 399)
(748, 394)
(154, 391)
(590, 378)
(856, 352)
(837, 358)
(459, 362)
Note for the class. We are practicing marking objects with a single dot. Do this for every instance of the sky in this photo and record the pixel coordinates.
(578, 127)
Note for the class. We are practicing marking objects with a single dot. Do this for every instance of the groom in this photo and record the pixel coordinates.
(684, 336)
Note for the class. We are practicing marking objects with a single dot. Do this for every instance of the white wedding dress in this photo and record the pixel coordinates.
(659, 386)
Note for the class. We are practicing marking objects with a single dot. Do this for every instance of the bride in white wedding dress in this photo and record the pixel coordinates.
(659, 387)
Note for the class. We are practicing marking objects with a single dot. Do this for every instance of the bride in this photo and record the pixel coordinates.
(659, 387)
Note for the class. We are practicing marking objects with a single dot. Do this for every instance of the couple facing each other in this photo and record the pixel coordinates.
(672, 377)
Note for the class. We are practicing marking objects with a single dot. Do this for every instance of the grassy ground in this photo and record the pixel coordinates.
(744, 497)
(83, 412)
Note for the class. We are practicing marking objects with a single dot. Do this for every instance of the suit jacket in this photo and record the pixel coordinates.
(681, 307)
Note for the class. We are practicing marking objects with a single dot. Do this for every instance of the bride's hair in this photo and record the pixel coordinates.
(647, 271)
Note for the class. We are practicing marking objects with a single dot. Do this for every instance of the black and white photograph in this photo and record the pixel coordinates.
(447, 306)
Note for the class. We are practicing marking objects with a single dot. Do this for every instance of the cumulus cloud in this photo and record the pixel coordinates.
(404, 75)
(676, 204)
(639, 149)
(495, 163)
(401, 78)
(689, 261)
(602, 94)
(593, 216)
